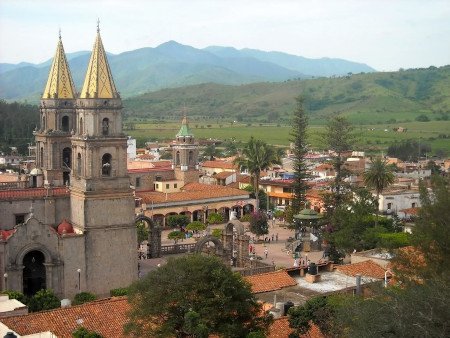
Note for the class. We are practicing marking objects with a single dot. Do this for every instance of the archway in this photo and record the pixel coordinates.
(218, 246)
(33, 272)
(154, 236)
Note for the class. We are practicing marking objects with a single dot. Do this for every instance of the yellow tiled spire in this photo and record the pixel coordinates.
(98, 82)
(59, 83)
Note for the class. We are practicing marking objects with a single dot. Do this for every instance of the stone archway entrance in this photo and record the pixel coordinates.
(154, 236)
(33, 272)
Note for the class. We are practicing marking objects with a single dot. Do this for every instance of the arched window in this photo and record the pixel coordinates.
(41, 157)
(105, 126)
(66, 157)
(177, 158)
(106, 165)
(191, 158)
(79, 164)
(81, 126)
(65, 123)
(43, 123)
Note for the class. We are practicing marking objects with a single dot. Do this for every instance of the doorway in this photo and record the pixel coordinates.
(33, 272)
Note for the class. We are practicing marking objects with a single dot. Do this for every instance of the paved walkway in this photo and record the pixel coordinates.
(276, 252)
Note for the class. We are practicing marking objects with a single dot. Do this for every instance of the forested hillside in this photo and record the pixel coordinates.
(17, 124)
(365, 98)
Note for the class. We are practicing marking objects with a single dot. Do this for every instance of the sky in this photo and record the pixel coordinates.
(385, 34)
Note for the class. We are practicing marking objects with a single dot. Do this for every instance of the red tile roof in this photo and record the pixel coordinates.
(280, 329)
(219, 164)
(106, 317)
(411, 211)
(223, 174)
(33, 192)
(192, 191)
(367, 268)
(271, 281)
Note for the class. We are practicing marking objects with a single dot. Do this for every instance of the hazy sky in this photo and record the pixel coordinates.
(385, 34)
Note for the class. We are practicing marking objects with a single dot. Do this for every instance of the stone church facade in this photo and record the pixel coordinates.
(74, 229)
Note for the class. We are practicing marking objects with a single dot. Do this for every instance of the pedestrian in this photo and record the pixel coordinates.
(266, 252)
(273, 262)
(273, 236)
(276, 236)
(250, 248)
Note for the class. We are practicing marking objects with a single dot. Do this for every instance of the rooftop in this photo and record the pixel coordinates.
(270, 281)
(367, 268)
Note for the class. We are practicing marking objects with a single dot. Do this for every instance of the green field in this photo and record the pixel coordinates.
(434, 133)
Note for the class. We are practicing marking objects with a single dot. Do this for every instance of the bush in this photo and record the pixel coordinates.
(196, 226)
(215, 218)
(118, 292)
(179, 221)
(245, 218)
(43, 300)
(217, 233)
(82, 332)
(84, 297)
(12, 294)
(258, 224)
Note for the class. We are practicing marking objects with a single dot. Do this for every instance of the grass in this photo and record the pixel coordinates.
(369, 137)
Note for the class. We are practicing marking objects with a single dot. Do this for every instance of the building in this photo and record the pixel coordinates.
(64, 231)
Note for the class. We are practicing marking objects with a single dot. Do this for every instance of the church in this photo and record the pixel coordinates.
(74, 231)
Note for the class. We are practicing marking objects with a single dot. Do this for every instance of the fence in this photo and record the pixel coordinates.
(177, 248)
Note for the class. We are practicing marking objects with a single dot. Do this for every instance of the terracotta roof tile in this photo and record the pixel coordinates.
(192, 191)
(219, 164)
(270, 281)
(223, 174)
(106, 317)
(33, 192)
(280, 329)
(411, 211)
(366, 268)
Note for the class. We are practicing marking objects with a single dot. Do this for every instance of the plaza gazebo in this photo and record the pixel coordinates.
(307, 222)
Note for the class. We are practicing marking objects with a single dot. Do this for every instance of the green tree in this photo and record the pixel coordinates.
(184, 296)
(176, 235)
(82, 332)
(217, 233)
(210, 152)
(379, 176)
(178, 221)
(258, 223)
(299, 139)
(339, 139)
(84, 297)
(257, 156)
(215, 218)
(43, 300)
(12, 294)
(142, 231)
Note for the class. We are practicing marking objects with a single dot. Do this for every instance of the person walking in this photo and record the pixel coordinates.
(266, 252)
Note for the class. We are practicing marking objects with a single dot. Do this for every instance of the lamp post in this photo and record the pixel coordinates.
(5, 276)
(79, 280)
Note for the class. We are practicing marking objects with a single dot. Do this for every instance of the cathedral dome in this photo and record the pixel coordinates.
(65, 228)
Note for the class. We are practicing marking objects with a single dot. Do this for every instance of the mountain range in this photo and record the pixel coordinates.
(172, 64)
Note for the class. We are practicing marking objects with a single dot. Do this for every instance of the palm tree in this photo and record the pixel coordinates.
(257, 156)
(379, 176)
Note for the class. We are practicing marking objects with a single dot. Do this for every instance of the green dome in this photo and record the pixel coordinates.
(308, 214)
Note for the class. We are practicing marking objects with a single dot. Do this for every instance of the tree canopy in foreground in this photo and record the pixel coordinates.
(195, 296)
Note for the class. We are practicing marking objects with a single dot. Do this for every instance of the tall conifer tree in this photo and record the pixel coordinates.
(298, 138)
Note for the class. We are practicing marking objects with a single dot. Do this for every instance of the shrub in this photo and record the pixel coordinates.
(245, 218)
(215, 218)
(12, 294)
(258, 224)
(196, 226)
(217, 233)
(118, 292)
(43, 300)
(84, 297)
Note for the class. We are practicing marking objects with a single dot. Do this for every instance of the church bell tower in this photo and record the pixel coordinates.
(57, 120)
(102, 202)
(185, 154)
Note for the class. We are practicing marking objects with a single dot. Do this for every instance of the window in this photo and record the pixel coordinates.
(158, 178)
(177, 158)
(105, 126)
(287, 190)
(413, 205)
(167, 186)
(191, 158)
(81, 126)
(79, 164)
(106, 165)
(43, 123)
(175, 185)
(389, 205)
(20, 219)
(41, 157)
(138, 182)
(156, 186)
(66, 157)
(65, 123)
